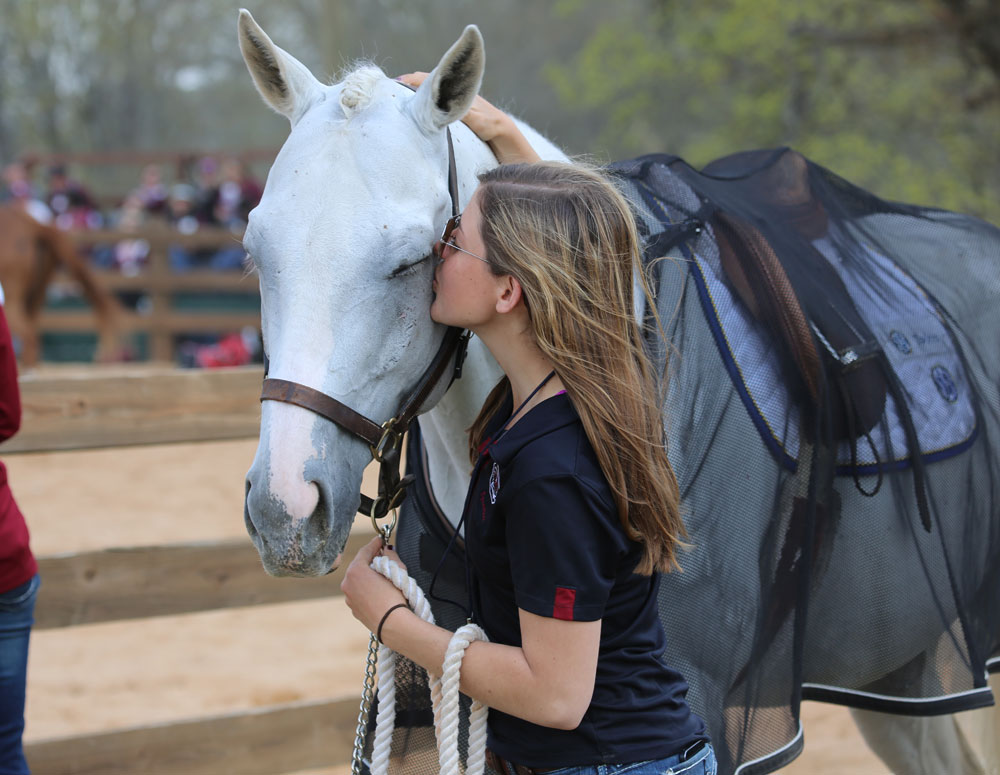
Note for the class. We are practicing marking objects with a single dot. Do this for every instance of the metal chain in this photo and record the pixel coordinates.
(368, 690)
(367, 697)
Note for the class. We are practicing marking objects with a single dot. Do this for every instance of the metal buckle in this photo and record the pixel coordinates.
(391, 439)
(385, 530)
(392, 500)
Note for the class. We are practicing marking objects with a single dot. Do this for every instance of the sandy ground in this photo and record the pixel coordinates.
(107, 676)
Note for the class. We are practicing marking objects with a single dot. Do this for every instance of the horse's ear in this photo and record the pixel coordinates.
(447, 94)
(285, 83)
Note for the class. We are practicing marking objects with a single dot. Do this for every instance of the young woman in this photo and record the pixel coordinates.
(573, 508)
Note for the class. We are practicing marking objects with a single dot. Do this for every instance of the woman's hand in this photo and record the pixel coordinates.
(368, 593)
(548, 680)
(491, 125)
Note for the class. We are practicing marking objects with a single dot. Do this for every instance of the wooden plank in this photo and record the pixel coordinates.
(116, 584)
(167, 321)
(195, 280)
(115, 407)
(302, 736)
(159, 236)
(137, 157)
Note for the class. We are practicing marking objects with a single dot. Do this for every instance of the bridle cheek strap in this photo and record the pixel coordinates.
(323, 405)
(384, 441)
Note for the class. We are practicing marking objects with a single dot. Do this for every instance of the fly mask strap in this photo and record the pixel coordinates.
(385, 440)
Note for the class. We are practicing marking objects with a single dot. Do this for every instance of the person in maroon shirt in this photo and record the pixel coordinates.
(18, 577)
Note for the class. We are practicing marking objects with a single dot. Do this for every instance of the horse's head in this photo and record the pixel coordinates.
(342, 240)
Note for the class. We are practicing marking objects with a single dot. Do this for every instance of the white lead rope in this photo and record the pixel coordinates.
(444, 689)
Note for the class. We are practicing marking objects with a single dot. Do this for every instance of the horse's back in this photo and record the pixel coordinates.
(811, 553)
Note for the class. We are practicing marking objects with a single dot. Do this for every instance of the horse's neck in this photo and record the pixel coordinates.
(445, 427)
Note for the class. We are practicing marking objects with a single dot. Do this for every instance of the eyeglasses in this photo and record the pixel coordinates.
(449, 229)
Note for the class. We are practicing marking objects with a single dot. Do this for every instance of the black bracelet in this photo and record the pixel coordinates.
(378, 632)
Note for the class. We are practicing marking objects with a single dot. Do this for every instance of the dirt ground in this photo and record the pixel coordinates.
(101, 677)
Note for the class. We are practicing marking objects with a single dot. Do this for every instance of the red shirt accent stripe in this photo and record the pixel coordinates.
(484, 445)
(562, 608)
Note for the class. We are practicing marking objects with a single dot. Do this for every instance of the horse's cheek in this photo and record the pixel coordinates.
(400, 336)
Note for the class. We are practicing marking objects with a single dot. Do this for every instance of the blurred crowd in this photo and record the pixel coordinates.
(216, 194)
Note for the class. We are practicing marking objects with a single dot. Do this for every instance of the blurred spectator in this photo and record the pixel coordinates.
(181, 215)
(151, 191)
(231, 200)
(130, 255)
(231, 350)
(19, 189)
(207, 185)
(17, 183)
(184, 208)
(71, 202)
(181, 208)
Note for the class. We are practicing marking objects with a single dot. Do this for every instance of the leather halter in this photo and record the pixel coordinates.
(385, 440)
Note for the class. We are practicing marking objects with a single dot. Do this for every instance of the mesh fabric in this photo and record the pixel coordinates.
(833, 418)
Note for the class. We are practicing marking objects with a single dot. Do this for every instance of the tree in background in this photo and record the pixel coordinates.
(899, 96)
(105, 75)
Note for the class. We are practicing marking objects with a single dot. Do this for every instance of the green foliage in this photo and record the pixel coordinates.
(876, 91)
(701, 78)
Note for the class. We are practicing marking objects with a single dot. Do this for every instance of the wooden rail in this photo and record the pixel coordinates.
(118, 406)
(105, 408)
(161, 320)
(116, 584)
(137, 157)
(293, 737)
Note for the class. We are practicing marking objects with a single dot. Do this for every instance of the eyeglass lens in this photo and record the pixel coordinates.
(449, 228)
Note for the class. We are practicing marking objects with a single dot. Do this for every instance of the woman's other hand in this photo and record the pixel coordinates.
(491, 125)
(368, 593)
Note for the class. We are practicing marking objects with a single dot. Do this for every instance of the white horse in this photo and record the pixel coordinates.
(342, 243)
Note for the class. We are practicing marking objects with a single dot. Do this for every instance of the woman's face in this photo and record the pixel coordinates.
(465, 289)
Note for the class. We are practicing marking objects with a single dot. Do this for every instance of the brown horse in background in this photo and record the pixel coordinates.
(30, 252)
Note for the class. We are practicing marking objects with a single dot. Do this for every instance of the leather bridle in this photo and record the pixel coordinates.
(385, 440)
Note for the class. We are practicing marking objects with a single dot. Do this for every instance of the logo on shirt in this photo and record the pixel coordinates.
(494, 483)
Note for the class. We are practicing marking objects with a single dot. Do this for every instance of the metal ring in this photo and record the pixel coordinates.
(385, 530)
(396, 499)
(391, 439)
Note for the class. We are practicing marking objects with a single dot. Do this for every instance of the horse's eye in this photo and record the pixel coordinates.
(404, 269)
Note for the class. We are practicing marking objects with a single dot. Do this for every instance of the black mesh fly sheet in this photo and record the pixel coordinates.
(833, 417)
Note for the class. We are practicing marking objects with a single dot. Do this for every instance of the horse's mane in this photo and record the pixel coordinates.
(359, 87)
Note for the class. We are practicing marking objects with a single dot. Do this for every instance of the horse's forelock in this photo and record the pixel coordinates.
(359, 88)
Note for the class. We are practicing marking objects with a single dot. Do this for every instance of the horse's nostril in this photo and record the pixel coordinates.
(251, 528)
(321, 514)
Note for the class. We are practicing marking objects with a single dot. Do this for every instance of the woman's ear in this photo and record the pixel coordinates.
(510, 294)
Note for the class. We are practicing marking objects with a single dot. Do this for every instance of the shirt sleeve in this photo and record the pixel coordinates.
(10, 397)
(565, 546)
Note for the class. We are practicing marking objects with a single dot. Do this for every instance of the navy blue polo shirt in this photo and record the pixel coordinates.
(543, 534)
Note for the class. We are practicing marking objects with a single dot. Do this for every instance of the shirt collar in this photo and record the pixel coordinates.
(548, 416)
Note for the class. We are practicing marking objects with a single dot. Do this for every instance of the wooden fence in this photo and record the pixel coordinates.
(152, 406)
(160, 319)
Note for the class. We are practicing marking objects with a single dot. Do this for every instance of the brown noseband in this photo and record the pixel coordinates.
(385, 440)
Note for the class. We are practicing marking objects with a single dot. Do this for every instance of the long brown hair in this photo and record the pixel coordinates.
(569, 237)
